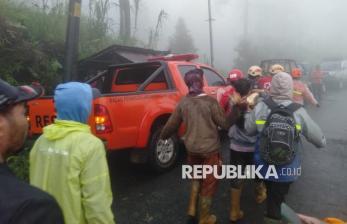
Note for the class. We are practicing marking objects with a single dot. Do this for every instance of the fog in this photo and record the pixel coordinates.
(227, 26)
(306, 30)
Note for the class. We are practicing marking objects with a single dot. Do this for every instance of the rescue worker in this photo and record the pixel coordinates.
(281, 93)
(254, 74)
(233, 76)
(265, 82)
(301, 92)
(241, 150)
(202, 115)
(69, 162)
(20, 202)
(316, 79)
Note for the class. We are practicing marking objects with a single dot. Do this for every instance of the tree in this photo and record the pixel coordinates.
(154, 34)
(23, 61)
(137, 9)
(125, 20)
(182, 42)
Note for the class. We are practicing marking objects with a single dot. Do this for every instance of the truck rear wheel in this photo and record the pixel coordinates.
(163, 155)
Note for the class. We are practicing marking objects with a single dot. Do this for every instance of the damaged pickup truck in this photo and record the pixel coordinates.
(137, 100)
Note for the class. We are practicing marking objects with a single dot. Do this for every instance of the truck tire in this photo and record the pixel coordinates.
(163, 157)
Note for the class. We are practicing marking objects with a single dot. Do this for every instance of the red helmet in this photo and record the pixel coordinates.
(235, 75)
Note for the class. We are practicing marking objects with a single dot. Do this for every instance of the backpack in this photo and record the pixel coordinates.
(279, 138)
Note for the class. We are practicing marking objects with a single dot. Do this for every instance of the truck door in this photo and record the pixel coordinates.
(213, 80)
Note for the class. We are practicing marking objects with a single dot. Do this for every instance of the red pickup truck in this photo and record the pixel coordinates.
(137, 100)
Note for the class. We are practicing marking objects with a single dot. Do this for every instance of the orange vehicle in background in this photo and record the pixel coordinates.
(137, 100)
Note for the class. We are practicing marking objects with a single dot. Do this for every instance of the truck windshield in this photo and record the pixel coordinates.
(288, 65)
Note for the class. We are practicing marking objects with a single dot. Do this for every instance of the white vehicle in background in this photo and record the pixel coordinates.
(335, 73)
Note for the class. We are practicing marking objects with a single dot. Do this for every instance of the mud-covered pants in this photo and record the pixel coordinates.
(209, 185)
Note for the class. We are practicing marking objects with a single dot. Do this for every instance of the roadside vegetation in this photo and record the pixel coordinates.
(32, 37)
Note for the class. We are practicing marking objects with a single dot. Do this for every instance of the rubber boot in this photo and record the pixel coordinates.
(235, 211)
(193, 201)
(205, 217)
(260, 193)
(271, 221)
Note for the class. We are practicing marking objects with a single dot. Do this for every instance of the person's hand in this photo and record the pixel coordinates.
(309, 220)
(235, 98)
(245, 104)
(252, 100)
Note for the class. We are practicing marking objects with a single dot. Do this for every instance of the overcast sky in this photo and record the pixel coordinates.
(297, 27)
(227, 25)
(306, 24)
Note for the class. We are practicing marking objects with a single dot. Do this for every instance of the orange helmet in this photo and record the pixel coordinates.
(296, 73)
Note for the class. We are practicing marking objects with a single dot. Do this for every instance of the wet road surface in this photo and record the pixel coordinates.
(144, 197)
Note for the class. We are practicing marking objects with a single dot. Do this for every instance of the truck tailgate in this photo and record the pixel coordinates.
(41, 113)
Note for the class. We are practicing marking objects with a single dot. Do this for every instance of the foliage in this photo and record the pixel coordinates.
(19, 164)
(24, 61)
(182, 42)
(32, 37)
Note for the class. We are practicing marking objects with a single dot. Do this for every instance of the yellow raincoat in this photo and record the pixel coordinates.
(70, 163)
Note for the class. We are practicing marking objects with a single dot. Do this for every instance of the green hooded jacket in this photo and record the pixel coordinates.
(70, 163)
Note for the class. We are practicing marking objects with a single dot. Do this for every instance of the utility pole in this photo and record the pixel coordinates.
(245, 27)
(210, 20)
(71, 41)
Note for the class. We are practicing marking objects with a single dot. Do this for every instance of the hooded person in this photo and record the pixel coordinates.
(259, 121)
(69, 162)
(202, 116)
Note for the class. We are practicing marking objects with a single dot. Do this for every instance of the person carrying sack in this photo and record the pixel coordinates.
(241, 150)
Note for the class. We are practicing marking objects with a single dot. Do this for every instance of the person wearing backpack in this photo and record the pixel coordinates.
(280, 124)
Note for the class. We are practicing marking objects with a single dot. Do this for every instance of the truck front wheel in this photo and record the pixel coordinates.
(163, 155)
